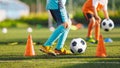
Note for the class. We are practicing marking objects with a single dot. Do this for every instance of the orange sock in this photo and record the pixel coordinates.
(97, 31)
(90, 29)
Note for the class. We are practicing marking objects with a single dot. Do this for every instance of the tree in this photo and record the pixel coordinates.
(35, 5)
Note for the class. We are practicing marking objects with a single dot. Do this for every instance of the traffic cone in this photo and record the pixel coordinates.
(101, 51)
(29, 47)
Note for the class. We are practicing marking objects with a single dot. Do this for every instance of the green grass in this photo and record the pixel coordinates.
(12, 48)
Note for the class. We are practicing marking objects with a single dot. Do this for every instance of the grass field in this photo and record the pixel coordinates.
(12, 48)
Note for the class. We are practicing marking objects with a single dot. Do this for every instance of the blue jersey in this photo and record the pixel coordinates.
(55, 4)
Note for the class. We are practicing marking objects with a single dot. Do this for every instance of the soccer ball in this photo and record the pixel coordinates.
(4, 30)
(107, 24)
(78, 45)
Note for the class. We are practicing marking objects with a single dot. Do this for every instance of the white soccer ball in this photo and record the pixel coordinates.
(107, 24)
(4, 30)
(29, 29)
(78, 45)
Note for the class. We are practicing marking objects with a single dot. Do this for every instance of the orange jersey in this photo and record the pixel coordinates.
(88, 6)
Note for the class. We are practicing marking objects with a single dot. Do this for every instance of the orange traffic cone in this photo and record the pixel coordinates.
(101, 51)
(29, 47)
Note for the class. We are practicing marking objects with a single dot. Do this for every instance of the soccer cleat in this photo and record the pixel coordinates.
(96, 42)
(47, 50)
(62, 52)
(91, 40)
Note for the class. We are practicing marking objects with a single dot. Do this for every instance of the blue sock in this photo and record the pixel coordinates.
(62, 39)
(55, 35)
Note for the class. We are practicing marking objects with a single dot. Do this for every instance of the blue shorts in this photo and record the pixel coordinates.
(59, 15)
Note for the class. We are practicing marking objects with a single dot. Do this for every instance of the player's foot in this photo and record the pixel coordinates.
(96, 42)
(62, 52)
(91, 40)
(47, 50)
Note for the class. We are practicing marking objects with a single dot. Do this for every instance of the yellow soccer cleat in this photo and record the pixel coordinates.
(47, 50)
(62, 52)
(90, 39)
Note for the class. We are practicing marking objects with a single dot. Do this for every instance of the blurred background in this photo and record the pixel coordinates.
(19, 18)
(32, 13)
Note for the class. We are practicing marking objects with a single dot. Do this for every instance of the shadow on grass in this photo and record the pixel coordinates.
(45, 56)
(19, 42)
(95, 64)
(99, 63)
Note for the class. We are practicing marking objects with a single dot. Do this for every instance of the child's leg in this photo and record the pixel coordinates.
(90, 18)
(97, 31)
(90, 27)
(62, 39)
(55, 35)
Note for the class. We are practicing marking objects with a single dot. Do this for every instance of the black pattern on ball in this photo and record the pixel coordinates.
(80, 50)
(106, 29)
(110, 25)
(104, 23)
(83, 43)
(74, 43)
(71, 50)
